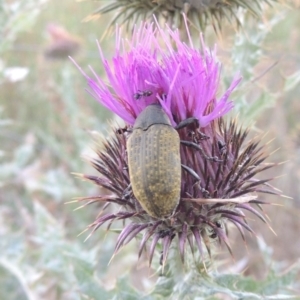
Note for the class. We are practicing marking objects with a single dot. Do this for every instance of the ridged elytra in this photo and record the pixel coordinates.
(154, 162)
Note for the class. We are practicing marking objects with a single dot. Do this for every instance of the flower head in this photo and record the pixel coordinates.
(199, 12)
(219, 168)
(149, 69)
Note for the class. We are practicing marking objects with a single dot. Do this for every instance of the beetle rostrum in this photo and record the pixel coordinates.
(154, 162)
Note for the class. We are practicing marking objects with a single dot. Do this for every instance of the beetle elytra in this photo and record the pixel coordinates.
(154, 162)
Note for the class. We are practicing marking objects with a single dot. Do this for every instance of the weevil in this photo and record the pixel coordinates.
(154, 162)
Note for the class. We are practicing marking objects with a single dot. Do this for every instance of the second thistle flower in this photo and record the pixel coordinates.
(176, 169)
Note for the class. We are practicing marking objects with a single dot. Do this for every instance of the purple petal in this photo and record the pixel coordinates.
(181, 78)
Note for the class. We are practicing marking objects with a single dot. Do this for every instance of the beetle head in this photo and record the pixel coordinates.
(152, 114)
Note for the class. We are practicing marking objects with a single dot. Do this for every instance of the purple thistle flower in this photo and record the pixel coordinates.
(219, 171)
(180, 78)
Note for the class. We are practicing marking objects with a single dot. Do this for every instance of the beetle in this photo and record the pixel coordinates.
(154, 162)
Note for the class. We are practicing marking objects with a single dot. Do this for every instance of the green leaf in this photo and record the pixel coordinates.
(88, 284)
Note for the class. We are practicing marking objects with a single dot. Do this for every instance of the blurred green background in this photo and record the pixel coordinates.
(47, 121)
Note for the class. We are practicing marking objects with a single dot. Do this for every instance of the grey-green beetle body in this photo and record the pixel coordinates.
(154, 162)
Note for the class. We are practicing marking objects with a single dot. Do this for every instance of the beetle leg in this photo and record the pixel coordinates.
(197, 147)
(123, 130)
(191, 171)
(197, 137)
(195, 175)
(202, 135)
(222, 147)
(204, 192)
(127, 192)
(187, 122)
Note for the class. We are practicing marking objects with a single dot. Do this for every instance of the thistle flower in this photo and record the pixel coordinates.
(218, 180)
(199, 12)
